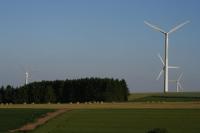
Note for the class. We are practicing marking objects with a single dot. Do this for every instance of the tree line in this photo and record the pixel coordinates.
(65, 91)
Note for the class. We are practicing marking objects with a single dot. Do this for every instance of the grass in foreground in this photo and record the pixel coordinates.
(15, 118)
(124, 121)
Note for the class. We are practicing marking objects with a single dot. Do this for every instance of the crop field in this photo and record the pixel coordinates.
(169, 97)
(14, 118)
(124, 121)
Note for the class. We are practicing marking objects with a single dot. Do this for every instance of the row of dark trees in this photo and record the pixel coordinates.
(64, 91)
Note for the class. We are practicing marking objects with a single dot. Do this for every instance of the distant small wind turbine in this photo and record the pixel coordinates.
(166, 35)
(178, 84)
(27, 74)
(26, 77)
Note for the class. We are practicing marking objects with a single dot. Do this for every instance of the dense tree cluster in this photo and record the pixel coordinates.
(64, 91)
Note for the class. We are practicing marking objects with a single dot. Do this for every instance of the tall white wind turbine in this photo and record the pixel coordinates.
(166, 35)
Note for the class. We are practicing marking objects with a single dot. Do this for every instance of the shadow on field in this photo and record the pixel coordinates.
(157, 130)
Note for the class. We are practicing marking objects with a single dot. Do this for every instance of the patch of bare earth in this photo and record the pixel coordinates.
(40, 121)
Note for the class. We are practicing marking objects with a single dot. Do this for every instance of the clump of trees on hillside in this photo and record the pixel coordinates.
(65, 91)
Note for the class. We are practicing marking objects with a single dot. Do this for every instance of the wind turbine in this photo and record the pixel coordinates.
(166, 35)
(26, 77)
(178, 84)
(27, 74)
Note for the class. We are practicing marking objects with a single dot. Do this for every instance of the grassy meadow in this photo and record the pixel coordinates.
(124, 121)
(14, 118)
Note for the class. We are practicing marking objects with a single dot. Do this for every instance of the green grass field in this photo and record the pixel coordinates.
(169, 97)
(15, 118)
(124, 121)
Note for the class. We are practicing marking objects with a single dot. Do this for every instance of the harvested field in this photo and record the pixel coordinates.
(127, 105)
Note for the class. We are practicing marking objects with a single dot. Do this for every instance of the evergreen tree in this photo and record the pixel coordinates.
(77, 90)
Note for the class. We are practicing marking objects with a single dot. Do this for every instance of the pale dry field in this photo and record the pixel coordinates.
(126, 105)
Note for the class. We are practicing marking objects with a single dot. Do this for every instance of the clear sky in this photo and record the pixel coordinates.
(59, 39)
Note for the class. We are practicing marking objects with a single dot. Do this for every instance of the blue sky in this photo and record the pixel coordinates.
(59, 39)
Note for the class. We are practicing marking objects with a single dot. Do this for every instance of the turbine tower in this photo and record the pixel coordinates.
(166, 35)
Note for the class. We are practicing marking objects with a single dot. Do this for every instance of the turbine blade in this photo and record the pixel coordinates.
(180, 86)
(159, 56)
(175, 67)
(180, 77)
(178, 27)
(159, 75)
(155, 27)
